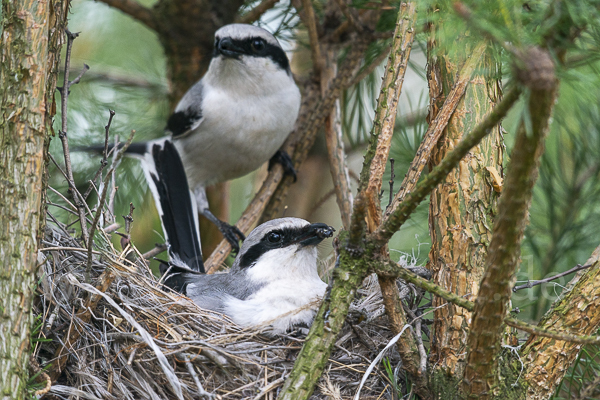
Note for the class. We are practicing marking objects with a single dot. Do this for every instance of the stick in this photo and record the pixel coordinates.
(104, 161)
(101, 204)
(531, 284)
(62, 134)
(310, 21)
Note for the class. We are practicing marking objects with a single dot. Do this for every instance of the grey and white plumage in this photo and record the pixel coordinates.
(235, 118)
(274, 279)
(240, 113)
(271, 281)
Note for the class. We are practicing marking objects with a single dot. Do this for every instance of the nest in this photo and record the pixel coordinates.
(125, 336)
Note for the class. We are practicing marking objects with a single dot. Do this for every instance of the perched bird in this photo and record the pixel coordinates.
(274, 279)
(235, 118)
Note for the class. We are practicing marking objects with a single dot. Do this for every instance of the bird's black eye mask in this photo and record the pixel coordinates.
(254, 47)
(309, 235)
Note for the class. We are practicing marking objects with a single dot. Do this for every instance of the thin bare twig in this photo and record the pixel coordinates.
(257, 12)
(103, 162)
(391, 182)
(101, 202)
(368, 69)
(335, 142)
(310, 20)
(113, 184)
(62, 133)
(531, 284)
(125, 239)
(158, 248)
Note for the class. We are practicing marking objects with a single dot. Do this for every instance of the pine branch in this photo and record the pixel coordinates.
(376, 157)
(390, 269)
(394, 221)
(257, 12)
(136, 11)
(575, 311)
(436, 129)
(350, 271)
(504, 251)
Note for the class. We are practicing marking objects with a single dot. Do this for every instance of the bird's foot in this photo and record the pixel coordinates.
(232, 234)
(283, 158)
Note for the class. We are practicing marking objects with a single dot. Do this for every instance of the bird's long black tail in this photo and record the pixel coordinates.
(178, 214)
(134, 149)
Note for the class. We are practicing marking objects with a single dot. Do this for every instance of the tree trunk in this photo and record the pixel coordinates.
(32, 33)
(462, 208)
(577, 311)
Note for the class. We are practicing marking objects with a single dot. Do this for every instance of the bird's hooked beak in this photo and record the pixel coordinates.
(228, 48)
(315, 234)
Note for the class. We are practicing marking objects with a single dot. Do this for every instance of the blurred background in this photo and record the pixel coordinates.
(128, 74)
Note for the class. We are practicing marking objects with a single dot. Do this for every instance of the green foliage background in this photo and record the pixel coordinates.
(128, 75)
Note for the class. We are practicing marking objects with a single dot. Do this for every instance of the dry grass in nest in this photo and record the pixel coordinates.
(125, 337)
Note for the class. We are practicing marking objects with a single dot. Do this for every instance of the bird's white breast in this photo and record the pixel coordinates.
(291, 292)
(246, 119)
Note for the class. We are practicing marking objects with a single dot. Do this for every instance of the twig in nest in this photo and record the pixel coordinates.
(158, 248)
(36, 368)
(62, 134)
(190, 368)
(103, 162)
(128, 221)
(113, 184)
(531, 284)
(101, 205)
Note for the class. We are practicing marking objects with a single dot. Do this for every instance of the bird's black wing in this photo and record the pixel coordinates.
(188, 113)
(177, 207)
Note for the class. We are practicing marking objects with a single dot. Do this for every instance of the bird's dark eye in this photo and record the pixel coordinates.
(274, 237)
(258, 45)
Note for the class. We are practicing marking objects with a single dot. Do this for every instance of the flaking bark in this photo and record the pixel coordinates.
(462, 207)
(32, 35)
(504, 251)
(577, 311)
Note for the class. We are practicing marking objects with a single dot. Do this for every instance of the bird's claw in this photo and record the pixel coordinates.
(283, 158)
(233, 235)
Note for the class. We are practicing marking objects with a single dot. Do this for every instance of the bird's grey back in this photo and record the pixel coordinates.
(212, 291)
